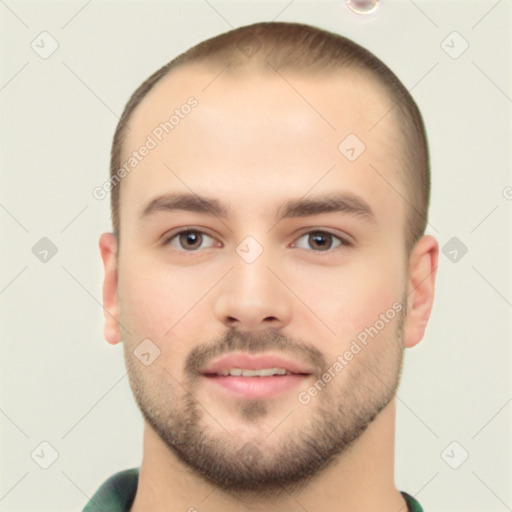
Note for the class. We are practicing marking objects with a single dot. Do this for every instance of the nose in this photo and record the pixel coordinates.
(252, 297)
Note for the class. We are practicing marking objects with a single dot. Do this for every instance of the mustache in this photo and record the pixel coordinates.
(270, 340)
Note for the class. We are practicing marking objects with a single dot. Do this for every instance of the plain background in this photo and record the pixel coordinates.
(61, 383)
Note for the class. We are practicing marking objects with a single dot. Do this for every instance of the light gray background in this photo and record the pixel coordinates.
(63, 384)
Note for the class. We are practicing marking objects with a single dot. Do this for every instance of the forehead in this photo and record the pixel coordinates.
(346, 99)
(264, 134)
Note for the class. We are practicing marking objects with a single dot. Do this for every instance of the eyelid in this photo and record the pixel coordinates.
(345, 241)
(170, 235)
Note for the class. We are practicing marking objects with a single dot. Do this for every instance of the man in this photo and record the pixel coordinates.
(267, 269)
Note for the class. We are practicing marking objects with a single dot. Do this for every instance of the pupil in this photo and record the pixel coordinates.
(191, 239)
(318, 240)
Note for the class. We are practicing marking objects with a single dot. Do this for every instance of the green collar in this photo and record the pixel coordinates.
(118, 492)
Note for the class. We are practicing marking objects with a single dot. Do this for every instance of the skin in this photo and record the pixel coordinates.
(254, 144)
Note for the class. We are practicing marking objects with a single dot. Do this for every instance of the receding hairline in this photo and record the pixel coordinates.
(311, 50)
(355, 75)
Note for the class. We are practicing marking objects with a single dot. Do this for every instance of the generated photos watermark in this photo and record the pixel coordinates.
(156, 136)
(356, 346)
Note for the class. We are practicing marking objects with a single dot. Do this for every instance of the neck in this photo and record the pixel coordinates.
(361, 480)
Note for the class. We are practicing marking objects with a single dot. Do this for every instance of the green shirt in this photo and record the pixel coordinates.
(118, 492)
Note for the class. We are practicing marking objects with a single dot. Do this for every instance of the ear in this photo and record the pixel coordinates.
(108, 250)
(423, 263)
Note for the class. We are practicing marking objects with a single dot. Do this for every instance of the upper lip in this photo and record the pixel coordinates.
(254, 362)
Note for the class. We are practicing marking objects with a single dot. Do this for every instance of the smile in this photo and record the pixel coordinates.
(250, 376)
(264, 372)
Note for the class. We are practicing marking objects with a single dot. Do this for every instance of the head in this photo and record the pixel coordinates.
(260, 144)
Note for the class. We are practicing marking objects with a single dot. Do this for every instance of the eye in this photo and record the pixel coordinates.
(189, 240)
(321, 241)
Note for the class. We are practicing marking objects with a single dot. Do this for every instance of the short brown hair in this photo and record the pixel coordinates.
(268, 46)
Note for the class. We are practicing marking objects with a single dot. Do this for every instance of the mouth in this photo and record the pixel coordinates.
(252, 377)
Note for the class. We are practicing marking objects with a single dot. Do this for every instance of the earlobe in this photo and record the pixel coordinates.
(109, 256)
(423, 263)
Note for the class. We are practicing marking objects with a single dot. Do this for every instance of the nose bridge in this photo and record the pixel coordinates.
(251, 296)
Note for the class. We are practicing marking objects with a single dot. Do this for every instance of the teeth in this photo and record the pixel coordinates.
(264, 372)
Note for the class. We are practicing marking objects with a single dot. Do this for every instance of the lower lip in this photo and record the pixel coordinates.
(257, 387)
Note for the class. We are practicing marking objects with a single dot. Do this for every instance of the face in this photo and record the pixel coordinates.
(251, 243)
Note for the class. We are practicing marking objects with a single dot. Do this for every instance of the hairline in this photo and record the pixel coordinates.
(406, 116)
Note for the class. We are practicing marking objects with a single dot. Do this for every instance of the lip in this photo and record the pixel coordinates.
(255, 387)
(255, 362)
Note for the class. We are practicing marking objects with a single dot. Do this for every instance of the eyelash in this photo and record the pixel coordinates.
(343, 242)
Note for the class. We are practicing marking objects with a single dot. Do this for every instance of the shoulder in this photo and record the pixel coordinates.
(412, 504)
(116, 494)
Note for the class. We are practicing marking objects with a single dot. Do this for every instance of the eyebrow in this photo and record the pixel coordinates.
(329, 203)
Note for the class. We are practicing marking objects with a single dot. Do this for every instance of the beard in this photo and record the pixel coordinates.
(301, 449)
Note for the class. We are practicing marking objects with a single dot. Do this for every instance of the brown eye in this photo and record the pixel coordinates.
(189, 240)
(321, 241)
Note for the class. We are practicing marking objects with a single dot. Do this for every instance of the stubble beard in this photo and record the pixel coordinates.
(293, 454)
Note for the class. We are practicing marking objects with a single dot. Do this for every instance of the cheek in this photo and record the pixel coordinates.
(351, 298)
(164, 303)
(373, 291)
